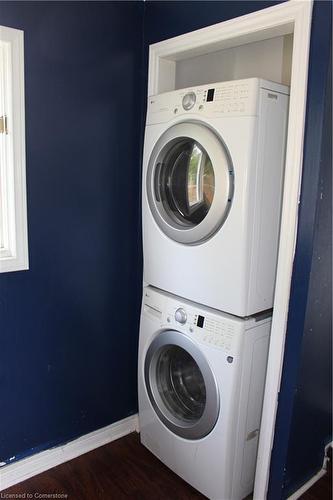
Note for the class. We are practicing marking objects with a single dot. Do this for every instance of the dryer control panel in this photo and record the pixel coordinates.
(232, 98)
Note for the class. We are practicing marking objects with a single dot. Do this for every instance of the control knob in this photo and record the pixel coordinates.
(189, 101)
(180, 316)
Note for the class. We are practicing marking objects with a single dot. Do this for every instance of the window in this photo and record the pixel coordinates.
(13, 210)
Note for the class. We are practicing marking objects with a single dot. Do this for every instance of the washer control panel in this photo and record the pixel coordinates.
(203, 327)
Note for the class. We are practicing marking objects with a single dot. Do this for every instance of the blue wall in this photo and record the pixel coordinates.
(313, 398)
(69, 325)
(304, 419)
(165, 19)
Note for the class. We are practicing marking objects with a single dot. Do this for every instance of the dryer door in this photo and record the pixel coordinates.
(189, 183)
(181, 386)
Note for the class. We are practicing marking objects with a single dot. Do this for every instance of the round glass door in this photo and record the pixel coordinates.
(185, 182)
(189, 183)
(181, 385)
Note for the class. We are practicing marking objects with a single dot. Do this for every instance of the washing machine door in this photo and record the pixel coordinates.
(181, 385)
(189, 183)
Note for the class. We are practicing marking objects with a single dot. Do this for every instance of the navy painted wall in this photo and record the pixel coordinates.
(308, 343)
(304, 419)
(313, 398)
(69, 325)
(165, 19)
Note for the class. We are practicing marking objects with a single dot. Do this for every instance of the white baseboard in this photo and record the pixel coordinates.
(314, 478)
(307, 485)
(31, 466)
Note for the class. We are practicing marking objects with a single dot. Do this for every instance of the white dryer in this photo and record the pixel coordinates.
(212, 185)
(201, 378)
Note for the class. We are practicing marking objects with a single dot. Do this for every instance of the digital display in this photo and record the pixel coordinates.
(200, 321)
(210, 95)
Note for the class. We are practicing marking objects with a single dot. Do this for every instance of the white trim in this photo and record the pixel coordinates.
(40, 462)
(259, 25)
(289, 17)
(14, 254)
(287, 243)
(305, 487)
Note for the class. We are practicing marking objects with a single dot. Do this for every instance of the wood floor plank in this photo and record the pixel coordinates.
(322, 489)
(122, 470)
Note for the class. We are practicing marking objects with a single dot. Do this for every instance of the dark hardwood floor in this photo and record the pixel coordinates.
(120, 470)
(123, 470)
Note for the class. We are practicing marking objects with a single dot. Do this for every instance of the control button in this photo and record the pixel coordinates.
(189, 101)
(191, 329)
(175, 110)
(168, 319)
(180, 316)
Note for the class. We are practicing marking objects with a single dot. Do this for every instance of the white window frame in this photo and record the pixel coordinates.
(13, 203)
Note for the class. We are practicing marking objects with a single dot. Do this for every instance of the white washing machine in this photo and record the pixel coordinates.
(213, 170)
(201, 378)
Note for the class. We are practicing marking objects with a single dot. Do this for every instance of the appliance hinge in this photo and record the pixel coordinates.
(3, 125)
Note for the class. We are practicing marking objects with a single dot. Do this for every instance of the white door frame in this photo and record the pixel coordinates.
(289, 17)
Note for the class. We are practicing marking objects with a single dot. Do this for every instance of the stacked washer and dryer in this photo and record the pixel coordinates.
(213, 171)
